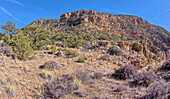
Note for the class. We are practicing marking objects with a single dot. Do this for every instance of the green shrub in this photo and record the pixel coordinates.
(150, 56)
(137, 47)
(116, 69)
(53, 49)
(81, 60)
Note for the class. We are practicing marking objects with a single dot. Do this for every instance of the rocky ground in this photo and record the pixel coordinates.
(64, 77)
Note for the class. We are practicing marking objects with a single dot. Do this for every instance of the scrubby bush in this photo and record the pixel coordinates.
(157, 90)
(53, 49)
(50, 65)
(165, 66)
(125, 72)
(81, 60)
(137, 47)
(83, 76)
(114, 51)
(145, 78)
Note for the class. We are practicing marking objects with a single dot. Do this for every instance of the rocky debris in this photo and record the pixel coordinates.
(125, 72)
(139, 61)
(50, 65)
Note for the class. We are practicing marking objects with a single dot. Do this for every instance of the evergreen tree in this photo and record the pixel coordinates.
(9, 28)
(21, 47)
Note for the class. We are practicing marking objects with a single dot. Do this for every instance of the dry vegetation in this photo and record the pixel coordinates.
(63, 77)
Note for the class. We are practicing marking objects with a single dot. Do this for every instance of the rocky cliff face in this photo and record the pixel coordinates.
(100, 19)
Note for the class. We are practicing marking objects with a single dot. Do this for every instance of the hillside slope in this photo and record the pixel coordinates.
(115, 24)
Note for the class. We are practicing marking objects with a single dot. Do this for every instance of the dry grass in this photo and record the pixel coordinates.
(27, 74)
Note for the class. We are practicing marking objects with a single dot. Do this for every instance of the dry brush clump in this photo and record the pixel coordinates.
(6, 50)
(165, 66)
(157, 90)
(115, 51)
(98, 75)
(83, 76)
(164, 70)
(65, 85)
(125, 72)
(59, 88)
(50, 65)
(145, 78)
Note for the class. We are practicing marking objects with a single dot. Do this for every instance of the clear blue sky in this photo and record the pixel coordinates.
(23, 12)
